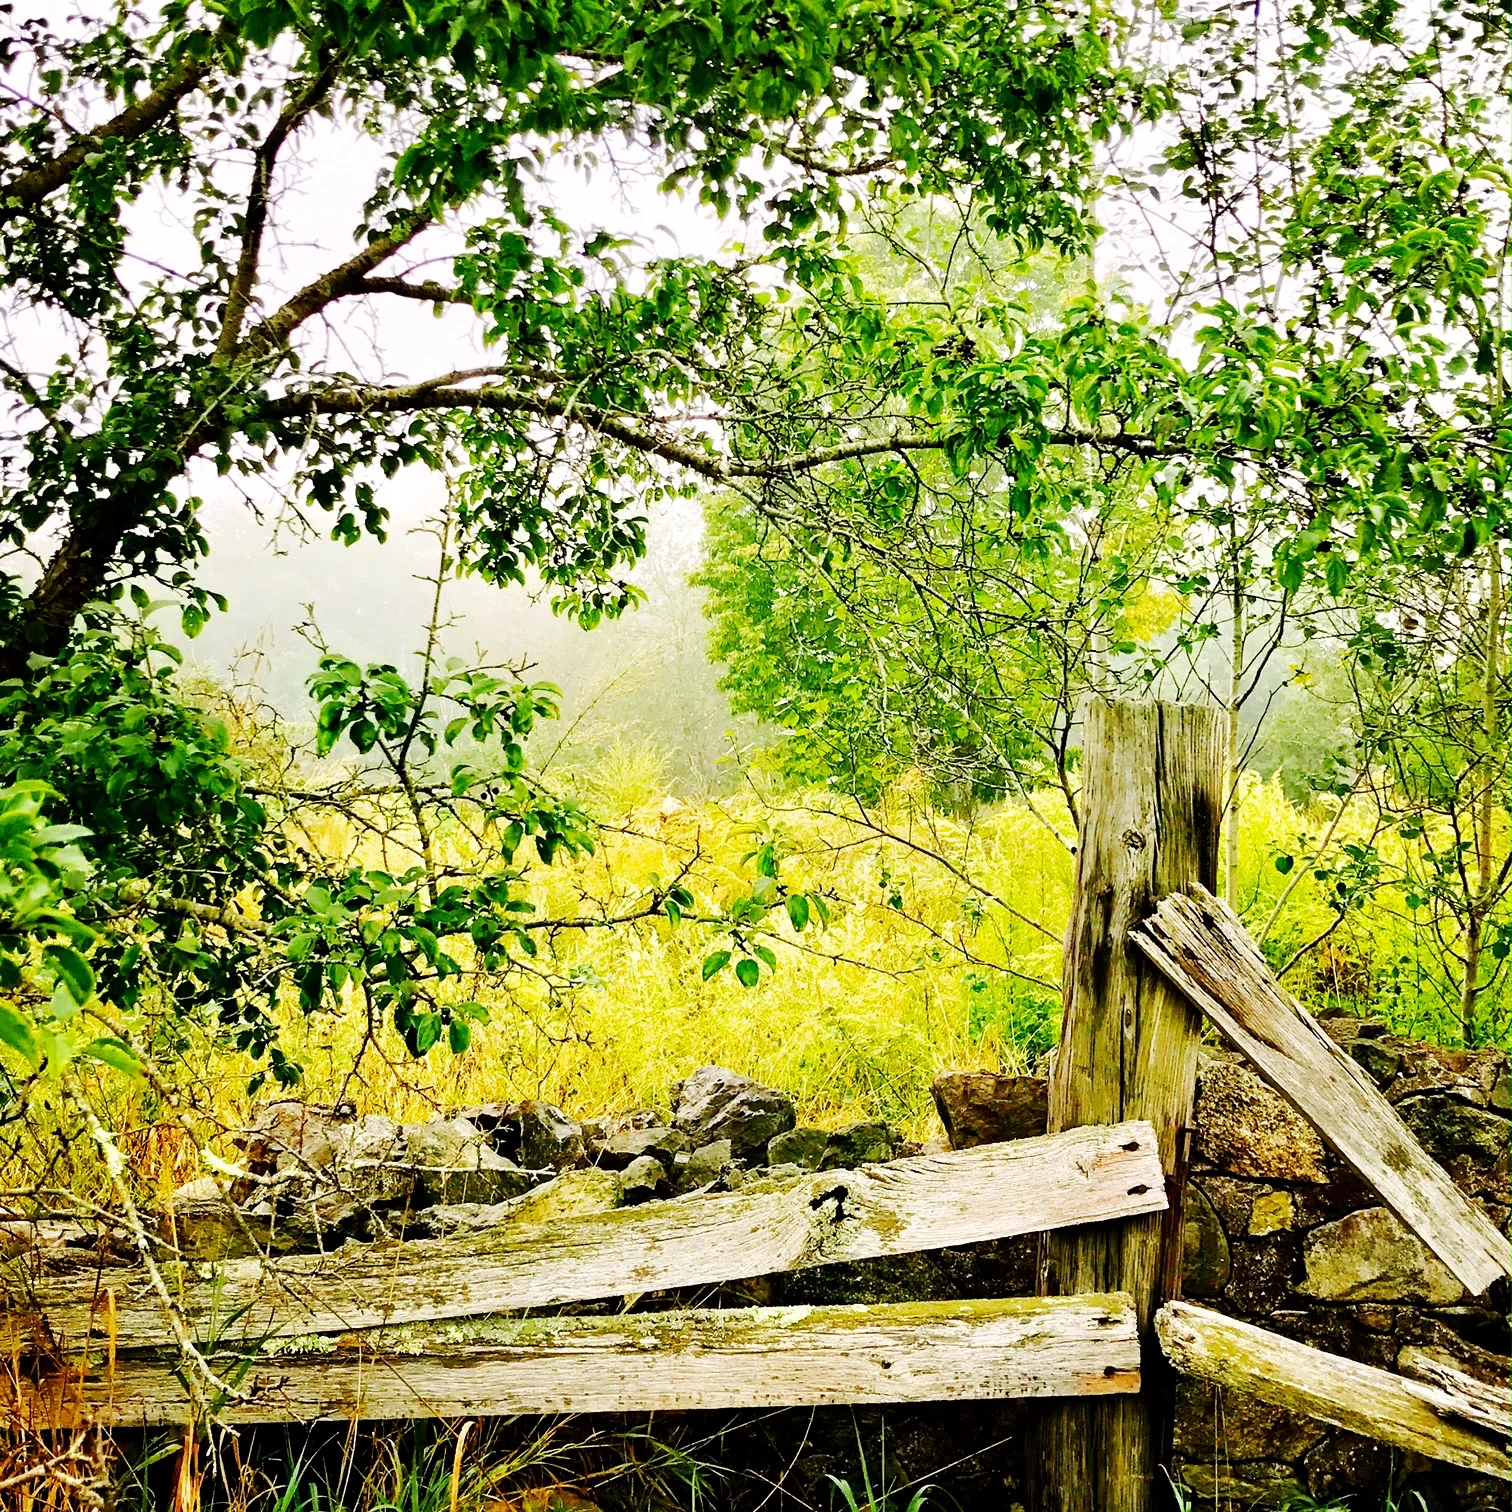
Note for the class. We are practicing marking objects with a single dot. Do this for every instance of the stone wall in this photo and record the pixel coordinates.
(1277, 1232)
(1280, 1233)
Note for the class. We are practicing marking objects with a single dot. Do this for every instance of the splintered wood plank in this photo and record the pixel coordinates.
(1474, 1401)
(1086, 1175)
(1201, 946)
(1152, 802)
(1343, 1392)
(650, 1362)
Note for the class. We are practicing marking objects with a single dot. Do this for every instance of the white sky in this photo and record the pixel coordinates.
(365, 596)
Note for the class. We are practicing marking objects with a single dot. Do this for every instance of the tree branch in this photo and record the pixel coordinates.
(255, 219)
(442, 393)
(29, 189)
(314, 297)
(233, 920)
(439, 394)
(430, 293)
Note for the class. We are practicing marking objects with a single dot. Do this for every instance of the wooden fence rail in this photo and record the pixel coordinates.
(414, 1329)
(927, 1202)
(648, 1362)
(1343, 1392)
(1201, 946)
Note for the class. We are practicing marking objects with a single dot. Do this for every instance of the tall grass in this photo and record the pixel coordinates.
(943, 951)
(917, 972)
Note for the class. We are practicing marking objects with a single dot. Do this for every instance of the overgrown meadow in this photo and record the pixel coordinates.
(942, 951)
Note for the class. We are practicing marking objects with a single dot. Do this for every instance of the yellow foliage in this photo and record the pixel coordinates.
(943, 951)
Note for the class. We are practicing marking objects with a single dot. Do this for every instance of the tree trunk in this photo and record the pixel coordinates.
(1236, 692)
(1152, 809)
(1485, 808)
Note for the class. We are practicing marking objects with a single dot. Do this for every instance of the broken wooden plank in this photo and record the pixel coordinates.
(1343, 1392)
(648, 1362)
(1201, 946)
(1472, 1400)
(1085, 1175)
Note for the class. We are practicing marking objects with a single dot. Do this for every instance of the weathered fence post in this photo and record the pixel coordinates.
(1152, 799)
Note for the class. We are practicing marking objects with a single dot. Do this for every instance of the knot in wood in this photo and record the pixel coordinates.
(1133, 840)
(837, 1195)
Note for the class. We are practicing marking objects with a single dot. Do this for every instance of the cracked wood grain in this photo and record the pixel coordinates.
(648, 1362)
(1201, 947)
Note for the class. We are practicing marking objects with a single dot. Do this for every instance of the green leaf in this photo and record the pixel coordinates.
(798, 911)
(72, 971)
(715, 962)
(1284, 864)
(459, 1035)
(748, 973)
(16, 1032)
(116, 1054)
(424, 1031)
(63, 1005)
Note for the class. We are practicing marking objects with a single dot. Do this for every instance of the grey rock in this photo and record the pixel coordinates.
(616, 1151)
(1347, 1465)
(492, 1179)
(1448, 1126)
(643, 1179)
(447, 1218)
(363, 1141)
(716, 1103)
(1245, 1129)
(1205, 1248)
(800, 1147)
(1345, 1027)
(1213, 1424)
(1472, 1075)
(858, 1144)
(573, 1194)
(442, 1143)
(1379, 1061)
(708, 1166)
(778, 1179)
(206, 1226)
(1241, 1483)
(549, 1138)
(40, 1236)
(981, 1107)
(636, 1118)
(1273, 1212)
(1370, 1256)
(1500, 1095)
(286, 1133)
(1262, 1273)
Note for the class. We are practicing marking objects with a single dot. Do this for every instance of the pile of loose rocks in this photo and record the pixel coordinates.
(315, 1177)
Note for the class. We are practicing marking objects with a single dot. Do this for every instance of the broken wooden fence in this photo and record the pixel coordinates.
(417, 1328)
(412, 1328)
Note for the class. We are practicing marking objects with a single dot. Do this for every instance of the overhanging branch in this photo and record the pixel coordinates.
(29, 189)
(634, 431)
